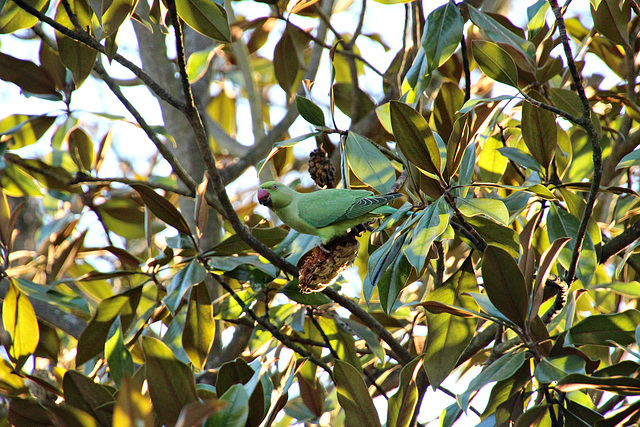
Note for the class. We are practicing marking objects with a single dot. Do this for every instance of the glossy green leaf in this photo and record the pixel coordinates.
(390, 286)
(286, 63)
(500, 34)
(11, 384)
(369, 164)
(236, 413)
(492, 208)
(403, 403)
(539, 133)
(602, 329)
(76, 56)
(93, 338)
(434, 220)
(500, 369)
(19, 320)
(117, 13)
(199, 326)
(611, 21)
(190, 274)
(495, 62)
(552, 369)
(171, 384)
(624, 386)
(14, 18)
(197, 66)
(521, 158)
(442, 34)
(492, 164)
(81, 149)
(415, 139)
(561, 223)
(354, 397)
(83, 393)
(449, 334)
(238, 372)
(118, 356)
(132, 408)
(505, 285)
(206, 17)
(162, 208)
(310, 111)
(345, 99)
(30, 77)
(19, 130)
(314, 299)
(631, 159)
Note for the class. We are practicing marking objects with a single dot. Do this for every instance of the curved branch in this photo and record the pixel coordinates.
(585, 122)
(85, 38)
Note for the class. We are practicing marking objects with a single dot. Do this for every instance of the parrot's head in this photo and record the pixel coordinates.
(274, 195)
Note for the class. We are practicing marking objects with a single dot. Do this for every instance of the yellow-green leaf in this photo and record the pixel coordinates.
(19, 320)
(171, 384)
(495, 62)
(206, 17)
(199, 326)
(354, 397)
(369, 164)
(415, 139)
(449, 334)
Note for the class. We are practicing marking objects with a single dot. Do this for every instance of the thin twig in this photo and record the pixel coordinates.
(85, 38)
(585, 122)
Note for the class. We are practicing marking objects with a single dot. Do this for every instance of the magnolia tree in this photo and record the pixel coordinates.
(146, 287)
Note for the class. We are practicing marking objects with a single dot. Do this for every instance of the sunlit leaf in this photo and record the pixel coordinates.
(601, 329)
(162, 208)
(235, 413)
(442, 34)
(402, 404)
(199, 326)
(500, 369)
(505, 285)
(495, 62)
(448, 334)
(310, 111)
(354, 397)
(492, 208)
(118, 356)
(14, 18)
(539, 132)
(433, 222)
(19, 320)
(171, 384)
(415, 139)
(81, 149)
(83, 393)
(551, 369)
(190, 274)
(117, 13)
(206, 17)
(369, 164)
(93, 338)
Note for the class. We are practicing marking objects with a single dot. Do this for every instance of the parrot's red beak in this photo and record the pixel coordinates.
(264, 198)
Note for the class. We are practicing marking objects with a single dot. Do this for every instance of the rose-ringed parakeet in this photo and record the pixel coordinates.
(325, 213)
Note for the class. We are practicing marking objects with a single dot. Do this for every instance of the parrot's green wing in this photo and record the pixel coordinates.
(366, 205)
(323, 208)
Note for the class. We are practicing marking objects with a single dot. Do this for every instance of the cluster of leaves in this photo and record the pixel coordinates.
(516, 204)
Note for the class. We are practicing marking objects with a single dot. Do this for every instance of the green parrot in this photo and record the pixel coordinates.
(325, 213)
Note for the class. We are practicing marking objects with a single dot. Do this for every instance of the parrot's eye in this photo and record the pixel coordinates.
(275, 187)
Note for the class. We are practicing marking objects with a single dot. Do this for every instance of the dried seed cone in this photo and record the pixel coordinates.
(321, 268)
(321, 168)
